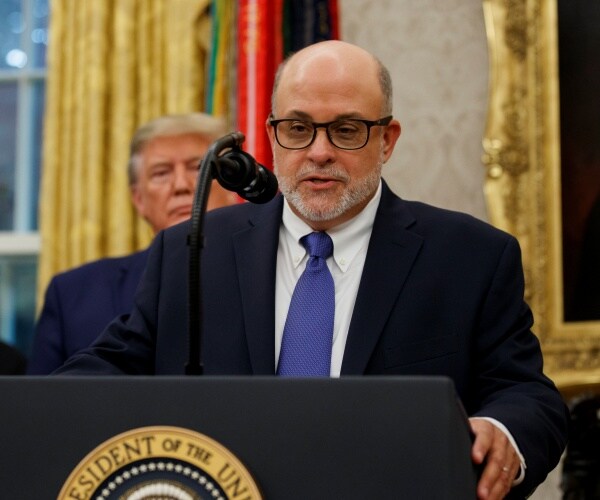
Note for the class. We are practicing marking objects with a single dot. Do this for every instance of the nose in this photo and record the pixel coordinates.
(184, 180)
(321, 151)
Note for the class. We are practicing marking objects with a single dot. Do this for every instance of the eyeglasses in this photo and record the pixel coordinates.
(351, 133)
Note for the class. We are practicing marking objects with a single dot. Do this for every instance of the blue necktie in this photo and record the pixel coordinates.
(308, 331)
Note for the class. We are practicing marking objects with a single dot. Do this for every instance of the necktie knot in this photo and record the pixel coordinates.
(318, 244)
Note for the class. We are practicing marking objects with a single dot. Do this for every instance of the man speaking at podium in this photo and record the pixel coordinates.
(339, 277)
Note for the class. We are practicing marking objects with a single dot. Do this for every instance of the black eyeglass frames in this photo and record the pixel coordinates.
(348, 133)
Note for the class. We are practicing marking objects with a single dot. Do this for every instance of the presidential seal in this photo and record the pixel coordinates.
(166, 463)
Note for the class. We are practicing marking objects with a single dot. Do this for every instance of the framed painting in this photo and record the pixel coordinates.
(542, 156)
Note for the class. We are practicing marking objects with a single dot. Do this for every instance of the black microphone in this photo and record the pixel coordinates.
(237, 171)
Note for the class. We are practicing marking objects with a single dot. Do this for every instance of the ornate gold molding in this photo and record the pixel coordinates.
(522, 158)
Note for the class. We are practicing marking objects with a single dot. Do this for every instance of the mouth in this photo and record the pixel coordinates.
(183, 211)
(320, 182)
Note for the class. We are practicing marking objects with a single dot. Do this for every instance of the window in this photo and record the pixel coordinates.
(23, 42)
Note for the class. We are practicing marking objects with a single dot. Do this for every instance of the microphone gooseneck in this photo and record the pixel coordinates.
(236, 171)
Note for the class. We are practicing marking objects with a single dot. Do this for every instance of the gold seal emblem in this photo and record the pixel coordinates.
(160, 462)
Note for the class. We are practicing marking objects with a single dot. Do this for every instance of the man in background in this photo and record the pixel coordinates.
(163, 169)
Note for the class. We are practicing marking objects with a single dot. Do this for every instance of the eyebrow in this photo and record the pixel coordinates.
(167, 162)
(160, 163)
(344, 116)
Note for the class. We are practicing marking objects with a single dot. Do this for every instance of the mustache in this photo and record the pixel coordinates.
(330, 171)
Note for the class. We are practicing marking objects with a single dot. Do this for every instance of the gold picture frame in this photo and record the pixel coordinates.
(522, 187)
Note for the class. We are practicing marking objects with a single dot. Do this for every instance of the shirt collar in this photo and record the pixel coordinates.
(348, 238)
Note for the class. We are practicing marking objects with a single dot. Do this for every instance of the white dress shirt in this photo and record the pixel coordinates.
(350, 243)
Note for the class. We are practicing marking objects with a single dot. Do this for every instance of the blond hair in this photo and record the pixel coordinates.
(169, 125)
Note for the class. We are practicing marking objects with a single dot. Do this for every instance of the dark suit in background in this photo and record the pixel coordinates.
(441, 294)
(78, 305)
(12, 362)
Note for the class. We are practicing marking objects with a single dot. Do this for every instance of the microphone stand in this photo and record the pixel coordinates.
(208, 169)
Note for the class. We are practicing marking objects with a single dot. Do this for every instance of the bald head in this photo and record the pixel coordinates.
(333, 57)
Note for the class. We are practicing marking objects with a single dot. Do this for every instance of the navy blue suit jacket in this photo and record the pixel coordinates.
(441, 294)
(78, 306)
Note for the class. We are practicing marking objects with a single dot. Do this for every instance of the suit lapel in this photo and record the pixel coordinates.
(392, 251)
(256, 260)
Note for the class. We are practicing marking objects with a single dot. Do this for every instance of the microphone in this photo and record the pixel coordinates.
(237, 171)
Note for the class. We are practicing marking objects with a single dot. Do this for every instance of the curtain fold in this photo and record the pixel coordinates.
(112, 65)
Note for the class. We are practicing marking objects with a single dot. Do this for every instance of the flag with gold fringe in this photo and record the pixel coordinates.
(221, 68)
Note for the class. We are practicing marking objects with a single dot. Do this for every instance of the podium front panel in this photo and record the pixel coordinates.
(350, 438)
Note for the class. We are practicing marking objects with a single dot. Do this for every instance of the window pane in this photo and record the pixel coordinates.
(17, 302)
(8, 112)
(23, 44)
(39, 33)
(38, 98)
(12, 25)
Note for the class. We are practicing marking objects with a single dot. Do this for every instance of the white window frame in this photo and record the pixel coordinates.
(22, 243)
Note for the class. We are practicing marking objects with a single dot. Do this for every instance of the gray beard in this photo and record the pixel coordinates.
(351, 197)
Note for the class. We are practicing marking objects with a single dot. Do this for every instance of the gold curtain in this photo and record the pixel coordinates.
(112, 65)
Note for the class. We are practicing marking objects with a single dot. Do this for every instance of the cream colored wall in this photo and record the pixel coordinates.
(436, 51)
